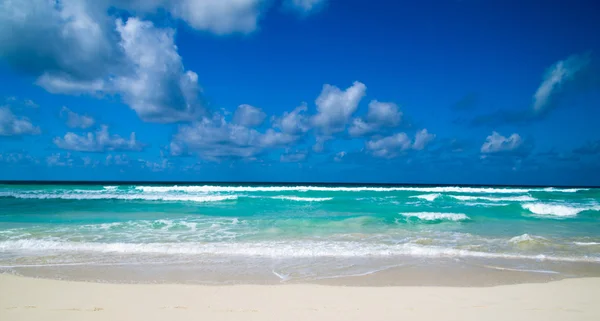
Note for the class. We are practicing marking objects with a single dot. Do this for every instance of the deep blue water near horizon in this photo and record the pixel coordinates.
(295, 231)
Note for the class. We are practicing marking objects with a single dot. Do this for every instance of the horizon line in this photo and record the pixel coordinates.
(165, 182)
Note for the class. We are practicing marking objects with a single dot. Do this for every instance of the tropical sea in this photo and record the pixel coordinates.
(236, 233)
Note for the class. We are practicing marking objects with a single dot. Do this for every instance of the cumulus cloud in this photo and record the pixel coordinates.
(336, 106)
(380, 114)
(559, 73)
(392, 146)
(59, 160)
(85, 47)
(215, 139)
(293, 123)
(118, 160)
(74, 47)
(389, 146)
(159, 166)
(496, 143)
(248, 116)
(18, 158)
(219, 16)
(99, 141)
(12, 125)
(422, 138)
(75, 120)
(158, 88)
(89, 162)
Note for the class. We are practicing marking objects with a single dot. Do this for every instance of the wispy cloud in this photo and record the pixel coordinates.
(559, 73)
(13, 125)
(99, 141)
(75, 120)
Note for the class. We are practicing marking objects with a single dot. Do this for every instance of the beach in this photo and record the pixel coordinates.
(295, 252)
(41, 299)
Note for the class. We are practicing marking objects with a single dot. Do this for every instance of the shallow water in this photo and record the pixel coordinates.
(289, 233)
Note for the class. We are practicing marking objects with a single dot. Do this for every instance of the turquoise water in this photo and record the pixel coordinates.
(294, 231)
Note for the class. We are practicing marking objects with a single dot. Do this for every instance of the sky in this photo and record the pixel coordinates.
(423, 92)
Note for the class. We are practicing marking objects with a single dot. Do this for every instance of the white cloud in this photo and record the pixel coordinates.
(66, 38)
(293, 157)
(422, 138)
(380, 114)
(560, 72)
(216, 138)
(12, 125)
(304, 6)
(392, 146)
(59, 160)
(336, 106)
(75, 48)
(219, 16)
(75, 120)
(496, 143)
(118, 160)
(294, 122)
(339, 156)
(99, 141)
(155, 166)
(159, 88)
(89, 162)
(389, 146)
(18, 158)
(30, 103)
(84, 47)
(248, 116)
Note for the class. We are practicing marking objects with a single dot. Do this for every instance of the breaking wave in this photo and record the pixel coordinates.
(289, 249)
(439, 189)
(527, 239)
(302, 199)
(524, 198)
(428, 197)
(431, 216)
(108, 196)
(557, 209)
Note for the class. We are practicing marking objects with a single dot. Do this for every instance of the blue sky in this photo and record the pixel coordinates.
(453, 92)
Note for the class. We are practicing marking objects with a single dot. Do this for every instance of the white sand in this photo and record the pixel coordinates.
(42, 300)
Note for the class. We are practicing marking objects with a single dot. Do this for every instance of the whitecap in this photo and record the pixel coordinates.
(586, 243)
(303, 199)
(435, 189)
(524, 198)
(144, 197)
(527, 239)
(428, 197)
(557, 209)
(274, 249)
(434, 216)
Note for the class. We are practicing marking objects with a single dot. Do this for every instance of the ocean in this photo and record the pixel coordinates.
(270, 233)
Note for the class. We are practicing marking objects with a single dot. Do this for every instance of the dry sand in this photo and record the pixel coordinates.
(41, 300)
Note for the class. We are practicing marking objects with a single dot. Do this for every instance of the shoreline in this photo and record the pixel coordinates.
(24, 298)
(427, 273)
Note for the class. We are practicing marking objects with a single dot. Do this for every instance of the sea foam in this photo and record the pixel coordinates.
(278, 249)
(432, 216)
(428, 197)
(303, 199)
(557, 209)
(107, 196)
(523, 198)
(439, 189)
